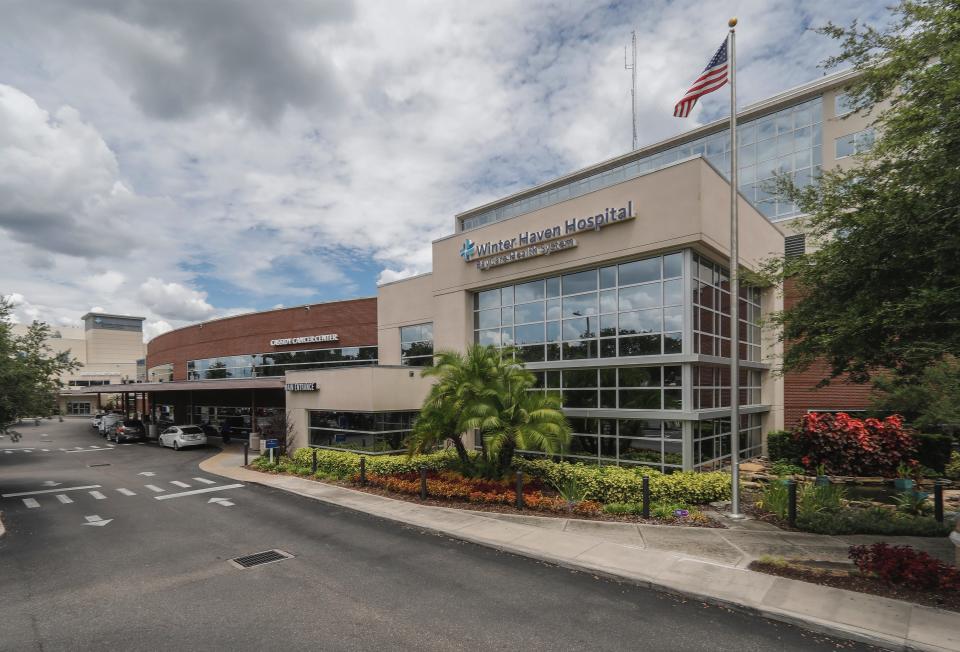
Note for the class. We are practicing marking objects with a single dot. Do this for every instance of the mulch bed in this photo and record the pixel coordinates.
(504, 509)
(852, 580)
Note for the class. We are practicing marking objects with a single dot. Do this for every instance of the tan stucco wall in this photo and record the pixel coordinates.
(355, 389)
(401, 303)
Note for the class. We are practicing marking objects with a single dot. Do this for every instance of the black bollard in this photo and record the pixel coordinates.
(246, 447)
(363, 470)
(938, 501)
(313, 462)
(646, 496)
(423, 483)
(519, 489)
(792, 503)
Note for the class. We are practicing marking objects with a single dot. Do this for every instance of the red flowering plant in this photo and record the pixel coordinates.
(902, 565)
(849, 446)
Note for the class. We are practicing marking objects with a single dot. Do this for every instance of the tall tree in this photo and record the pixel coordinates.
(29, 369)
(882, 288)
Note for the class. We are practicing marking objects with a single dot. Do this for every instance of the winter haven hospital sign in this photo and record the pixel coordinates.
(529, 244)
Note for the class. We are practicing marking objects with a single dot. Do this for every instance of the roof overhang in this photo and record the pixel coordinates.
(181, 386)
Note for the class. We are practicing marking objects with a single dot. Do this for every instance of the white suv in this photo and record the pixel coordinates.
(107, 421)
(182, 436)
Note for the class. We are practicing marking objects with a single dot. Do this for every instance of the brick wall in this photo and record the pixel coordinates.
(800, 389)
(354, 321)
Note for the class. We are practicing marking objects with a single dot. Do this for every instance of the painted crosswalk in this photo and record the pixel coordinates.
(34, 499)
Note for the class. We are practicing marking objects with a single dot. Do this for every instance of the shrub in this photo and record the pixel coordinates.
(619, 484)
(934, 451)
(953, 468)
(341, 464)
(623, 508)
(781, 445)
(902, 565)
(849, 446)
(785, 467)
(871, 521)
(774, 499)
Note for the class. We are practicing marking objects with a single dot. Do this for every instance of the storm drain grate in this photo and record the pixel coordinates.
(90, 466)
(260, 558)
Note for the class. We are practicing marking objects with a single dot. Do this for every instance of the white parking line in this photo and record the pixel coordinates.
(90, 450)
(45, 450)
(65, 499)
(205, 481)
(179, 484)
(97, 495)
(31, 502)
(153, 487)
(126, 492)
(94, 447)
(49, 491)
(27, 450)
(198, 491)
(8, 452)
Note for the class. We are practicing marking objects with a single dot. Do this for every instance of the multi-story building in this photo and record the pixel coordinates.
(107, 348)
(611, 282)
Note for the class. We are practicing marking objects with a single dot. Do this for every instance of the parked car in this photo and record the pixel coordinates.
(95, 421)
(179, 437)
(126, 430)
(210, 430)
(107, 422)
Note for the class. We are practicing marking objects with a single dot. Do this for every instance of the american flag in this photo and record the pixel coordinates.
(713, 77)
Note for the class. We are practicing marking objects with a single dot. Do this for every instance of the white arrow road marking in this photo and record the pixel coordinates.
(51, 483)
(49, 491)
(78, 447)
(126, 492)
(153, 487)
(205, 481)
(180, 484)
(97, 495)
(220, 501)
(65, 499)
(96, 520)
(31, 502)
(198, 491)
(147, 473)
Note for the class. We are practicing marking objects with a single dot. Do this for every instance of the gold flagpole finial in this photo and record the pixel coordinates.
(732, 22)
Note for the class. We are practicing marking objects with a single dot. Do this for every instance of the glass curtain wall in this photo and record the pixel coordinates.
(279, 363)
(372, 431)
(789, 141)
(416, 345)
(711, 313)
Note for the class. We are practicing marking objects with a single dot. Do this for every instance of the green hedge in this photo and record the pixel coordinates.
(782, 446)
(619, 484)
(933, 451)
(342, 464)
(872, 521)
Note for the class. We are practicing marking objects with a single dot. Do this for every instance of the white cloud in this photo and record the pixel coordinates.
(153, 328)
(174, 301)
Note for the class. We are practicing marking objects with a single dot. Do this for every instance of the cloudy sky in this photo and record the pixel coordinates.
(187, 159)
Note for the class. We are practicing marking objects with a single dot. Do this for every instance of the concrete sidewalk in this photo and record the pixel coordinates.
(699, 563)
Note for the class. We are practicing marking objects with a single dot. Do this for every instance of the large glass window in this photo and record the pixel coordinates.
(373, 431)
(416, 345)
(842, 105)
(788, 141)
(711, 387)
(624, 388)
(711, 313)
(626, 310)
(856, 143)
(711, 441)
(78, 408)
(278, 363)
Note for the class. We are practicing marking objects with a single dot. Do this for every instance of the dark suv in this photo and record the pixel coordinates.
(126, 430)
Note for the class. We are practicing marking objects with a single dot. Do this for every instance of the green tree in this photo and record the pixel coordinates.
(882, 288)
(926, 402)
(488, 390)
(29, 369)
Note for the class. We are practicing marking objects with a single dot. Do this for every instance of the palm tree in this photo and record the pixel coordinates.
(462, 380)
(517, 418)
(489, 390)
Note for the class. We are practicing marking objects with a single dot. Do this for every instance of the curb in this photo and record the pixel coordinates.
(3, 529)
(830, 628)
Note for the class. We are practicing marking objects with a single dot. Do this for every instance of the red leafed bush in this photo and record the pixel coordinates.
(902, 565)
(447, 485)
(849, 446)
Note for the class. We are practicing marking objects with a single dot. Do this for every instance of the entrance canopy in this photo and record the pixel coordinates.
(183, 385)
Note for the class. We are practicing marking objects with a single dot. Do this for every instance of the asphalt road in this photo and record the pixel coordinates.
(157, 576)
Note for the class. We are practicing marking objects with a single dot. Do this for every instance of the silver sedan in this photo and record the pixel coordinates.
(178, 437)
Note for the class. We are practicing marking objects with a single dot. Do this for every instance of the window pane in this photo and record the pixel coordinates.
(640, 296)
(672, 292)
(580, 350)
(608, 325)
(639, 376)
(673, 265)
(528, 312)
(488, 299)
(640, 345)
(580, 398)
(580, 306)
(579, 378)
(491, 337)
(553, 331)
(641, 321)
(506, 296)
(529, 334)
(673, 342)
(575, 329)
(640, 399)
(608, 277)
(530, 291)
(580, 282)
(553, 287)
(640, 271)
(487, 319)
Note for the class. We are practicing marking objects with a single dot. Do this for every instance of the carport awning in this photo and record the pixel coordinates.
(183, 385)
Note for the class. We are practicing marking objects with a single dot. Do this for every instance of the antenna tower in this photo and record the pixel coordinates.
(631, 65)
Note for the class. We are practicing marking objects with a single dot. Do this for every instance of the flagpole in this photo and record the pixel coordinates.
(734, 284)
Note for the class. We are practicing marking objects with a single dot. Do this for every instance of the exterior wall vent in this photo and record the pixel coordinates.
(794, 245)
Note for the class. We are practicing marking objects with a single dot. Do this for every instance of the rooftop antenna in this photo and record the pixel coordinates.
(632, 67)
